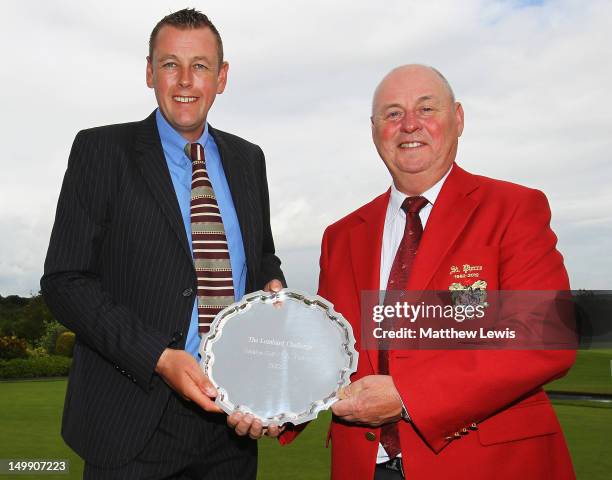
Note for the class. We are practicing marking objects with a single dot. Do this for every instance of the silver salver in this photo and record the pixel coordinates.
(282, 356)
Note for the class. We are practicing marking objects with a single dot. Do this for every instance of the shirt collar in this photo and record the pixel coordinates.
(174, 141)
(397, 197)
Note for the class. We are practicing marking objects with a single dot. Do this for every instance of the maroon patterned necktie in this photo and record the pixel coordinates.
(209, 243)
(398, 279)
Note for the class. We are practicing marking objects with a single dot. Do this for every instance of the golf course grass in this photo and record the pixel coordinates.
(30, 416)
(592, 373)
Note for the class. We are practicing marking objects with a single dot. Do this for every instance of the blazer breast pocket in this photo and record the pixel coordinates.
(475, 267)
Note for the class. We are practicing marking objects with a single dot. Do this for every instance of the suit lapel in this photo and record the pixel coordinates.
(237, 176)
(365, 245)
(152, 162)
(451, 213)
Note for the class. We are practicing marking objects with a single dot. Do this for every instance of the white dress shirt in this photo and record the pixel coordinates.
(395, 223)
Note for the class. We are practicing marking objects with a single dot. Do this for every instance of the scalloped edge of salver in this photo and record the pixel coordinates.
(313, 301)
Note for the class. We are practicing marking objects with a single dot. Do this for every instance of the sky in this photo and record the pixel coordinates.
(532, 77)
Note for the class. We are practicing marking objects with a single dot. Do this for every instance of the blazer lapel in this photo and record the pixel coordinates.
(451, 213)
(152, 162)
(365, 245)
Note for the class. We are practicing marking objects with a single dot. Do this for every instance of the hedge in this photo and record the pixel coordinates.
(51, 366)
(65, 344)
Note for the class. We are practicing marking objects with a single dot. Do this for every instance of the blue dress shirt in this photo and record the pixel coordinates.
(179, 165)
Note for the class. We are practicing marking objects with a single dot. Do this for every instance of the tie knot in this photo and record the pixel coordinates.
(414, 204)
(195, 152)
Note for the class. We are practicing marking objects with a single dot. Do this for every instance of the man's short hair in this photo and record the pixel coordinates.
(187, 18)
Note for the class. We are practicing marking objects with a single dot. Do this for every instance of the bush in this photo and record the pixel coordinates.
(53, 329)
(32, 319)
(37, 352)
(65, 344)
(13, 347)
(52, 366)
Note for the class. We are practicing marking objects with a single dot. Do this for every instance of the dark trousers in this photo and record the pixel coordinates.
(392, 470)
(188, 444)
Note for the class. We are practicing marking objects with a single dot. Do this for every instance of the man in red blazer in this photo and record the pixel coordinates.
(473, 414)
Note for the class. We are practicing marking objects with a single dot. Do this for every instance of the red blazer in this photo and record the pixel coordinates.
(504, 228)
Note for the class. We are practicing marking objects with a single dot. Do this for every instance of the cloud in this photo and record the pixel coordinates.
(532, 76)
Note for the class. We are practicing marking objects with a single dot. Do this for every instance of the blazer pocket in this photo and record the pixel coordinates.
(469, 265)
(519, 423)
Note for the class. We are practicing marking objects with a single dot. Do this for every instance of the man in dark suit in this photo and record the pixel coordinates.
(120, 271)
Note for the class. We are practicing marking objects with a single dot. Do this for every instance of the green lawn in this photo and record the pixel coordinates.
(30, 413)
(30, 417)
(588, 431)
(590, 374)
(304, 459)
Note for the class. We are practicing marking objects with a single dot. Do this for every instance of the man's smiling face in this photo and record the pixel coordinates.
(186, 76)
(416, 123)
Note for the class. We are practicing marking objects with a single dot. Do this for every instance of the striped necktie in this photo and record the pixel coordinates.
(209, 243)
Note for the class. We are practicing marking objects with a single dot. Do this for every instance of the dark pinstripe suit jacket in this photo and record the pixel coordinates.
(119, 273)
